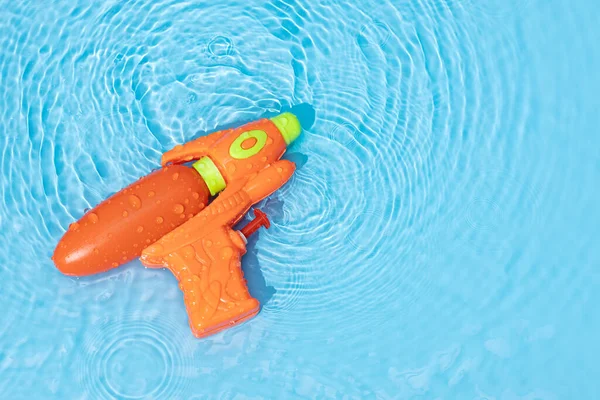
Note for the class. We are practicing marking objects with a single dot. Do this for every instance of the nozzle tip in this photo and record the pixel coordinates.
(288, 125)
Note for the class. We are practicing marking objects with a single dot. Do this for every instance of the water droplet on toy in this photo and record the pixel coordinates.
(188, 252)
(249, 165)
(140, 229)
(110, 235)
(182, 216)
(74, 226)
(280, 170)
(151, 194)
(226, 252)
(208, 243)
(147, 240)
(195, 195)
(269, 141)
(96, 251)
(114, 264)
(178, 209)
(176, 176)
(159, 220)
(190, 216)
(135, 201)
(93, 217)
(125, 213)
(124, 258)
(263, 159)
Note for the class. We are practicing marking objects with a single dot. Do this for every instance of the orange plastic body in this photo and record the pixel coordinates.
(116, 231)
(197, 244)
(204, 254)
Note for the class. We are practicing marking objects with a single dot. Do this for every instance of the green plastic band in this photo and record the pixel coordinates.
(211, 175)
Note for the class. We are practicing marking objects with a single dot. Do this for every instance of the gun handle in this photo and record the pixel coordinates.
(210, 276)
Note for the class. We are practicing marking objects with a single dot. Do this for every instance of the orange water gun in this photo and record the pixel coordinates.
(165, 219)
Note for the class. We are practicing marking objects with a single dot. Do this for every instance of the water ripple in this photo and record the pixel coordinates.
(148, 349)
(447, 165)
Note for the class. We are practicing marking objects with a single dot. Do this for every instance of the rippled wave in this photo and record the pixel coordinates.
(136, 358)
(439, 230)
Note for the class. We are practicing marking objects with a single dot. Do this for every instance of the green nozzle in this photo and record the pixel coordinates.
(288, 125)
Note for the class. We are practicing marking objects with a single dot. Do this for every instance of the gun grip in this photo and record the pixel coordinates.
(210, 276)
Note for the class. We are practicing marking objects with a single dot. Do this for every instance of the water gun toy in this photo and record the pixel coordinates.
(166, 219)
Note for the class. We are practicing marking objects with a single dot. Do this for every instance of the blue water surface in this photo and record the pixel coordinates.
(440, 239)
